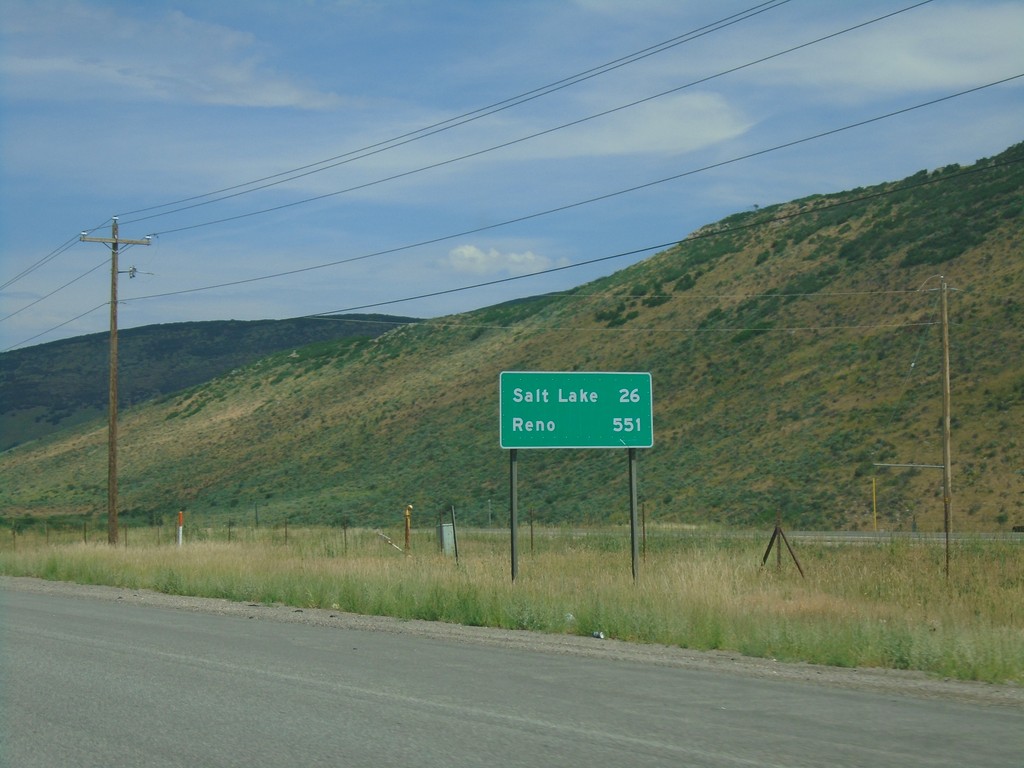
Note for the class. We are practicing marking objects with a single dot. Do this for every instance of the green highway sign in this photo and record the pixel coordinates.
(541, 409)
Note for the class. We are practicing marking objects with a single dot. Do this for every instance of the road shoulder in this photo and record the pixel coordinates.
(892, 682)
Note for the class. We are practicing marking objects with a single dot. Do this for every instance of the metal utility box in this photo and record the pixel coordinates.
(446, 539)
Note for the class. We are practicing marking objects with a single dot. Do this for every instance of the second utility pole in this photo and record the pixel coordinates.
(113, 241)
(947, 428)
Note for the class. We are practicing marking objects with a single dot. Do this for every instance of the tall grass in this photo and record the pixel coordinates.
(882, 604)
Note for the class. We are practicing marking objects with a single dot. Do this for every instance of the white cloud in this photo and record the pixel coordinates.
(170, 58)
(934, 47)
(670, 124)
(477, 261)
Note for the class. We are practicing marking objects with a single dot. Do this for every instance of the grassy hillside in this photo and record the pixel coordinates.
(64, 383)
(791, 349)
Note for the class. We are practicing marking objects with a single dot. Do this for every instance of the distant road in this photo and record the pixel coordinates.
(869, 537)
(111, 682)
(833, 537)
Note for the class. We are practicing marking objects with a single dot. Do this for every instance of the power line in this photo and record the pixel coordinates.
(45, 260)
(782, 217)
(51, 293)
(728, 21)
(636, 188)
(66, 245)
(598, 260)
(56, 327)
(55, 290)
(625, 191)
(499, 281)
(721, 296)
(698, 329)
(466, 117)
(431, 129)
(448, 324)
(610, 195)
(513, 142)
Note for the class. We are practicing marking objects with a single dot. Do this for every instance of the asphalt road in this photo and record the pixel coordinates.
(90, 682)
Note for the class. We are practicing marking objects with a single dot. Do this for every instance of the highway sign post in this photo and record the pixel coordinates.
(574, 409)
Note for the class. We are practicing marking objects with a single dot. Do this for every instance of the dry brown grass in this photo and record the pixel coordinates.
(883, 604)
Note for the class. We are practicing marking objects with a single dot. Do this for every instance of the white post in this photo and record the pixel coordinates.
(181, 525)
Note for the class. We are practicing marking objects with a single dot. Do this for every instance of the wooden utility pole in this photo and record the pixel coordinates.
(113, 241)
(947, 461)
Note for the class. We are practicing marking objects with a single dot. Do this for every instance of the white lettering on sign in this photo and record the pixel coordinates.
(629, 395)
(522, 425)
(519, 395)
(577, 396)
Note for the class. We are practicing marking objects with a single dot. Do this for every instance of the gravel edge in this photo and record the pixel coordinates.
(890, 682)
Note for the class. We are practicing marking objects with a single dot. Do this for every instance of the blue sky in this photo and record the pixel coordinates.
(114, 108)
